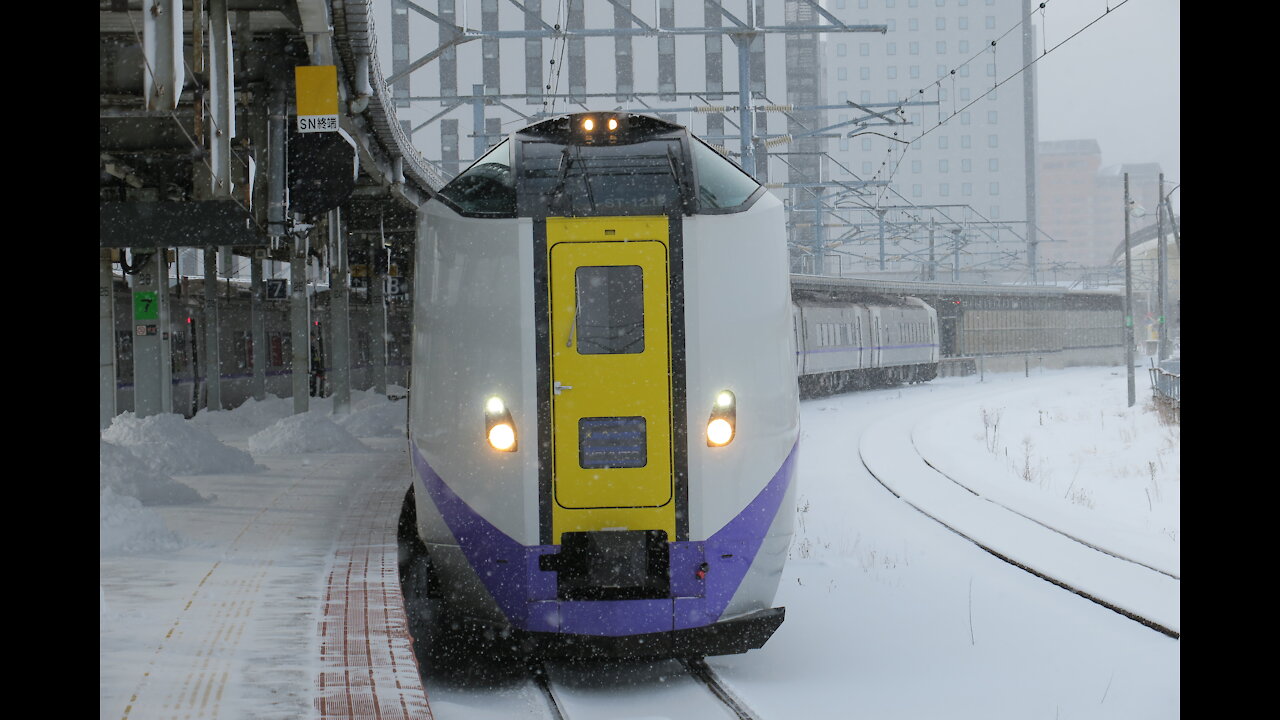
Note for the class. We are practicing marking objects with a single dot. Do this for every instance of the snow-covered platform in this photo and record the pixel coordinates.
(274, 592)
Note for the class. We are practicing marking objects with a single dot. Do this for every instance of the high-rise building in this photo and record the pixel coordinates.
(967, 137)
(1067, 194)
(680, 76)
(687, 76)
(1080, 203)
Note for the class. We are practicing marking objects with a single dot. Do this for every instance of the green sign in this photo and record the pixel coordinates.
(146, 306)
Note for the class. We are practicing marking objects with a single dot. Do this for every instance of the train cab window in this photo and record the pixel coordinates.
(640, 178)
(721, 184)
(487, 188)
(609, 317)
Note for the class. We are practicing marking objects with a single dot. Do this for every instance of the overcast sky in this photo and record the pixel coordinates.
(1117, 82)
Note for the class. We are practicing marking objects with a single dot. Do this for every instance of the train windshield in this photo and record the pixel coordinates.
(643, 178)
(487, 188)
(721, 183)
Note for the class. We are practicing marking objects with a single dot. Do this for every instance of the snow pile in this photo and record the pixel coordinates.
(308, 432)
(167, 443)
(124, 474)
(382, 418)
(124, 526)
(251, 413)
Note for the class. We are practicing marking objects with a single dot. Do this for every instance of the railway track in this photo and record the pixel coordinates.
(1136, 590)
(673, 688)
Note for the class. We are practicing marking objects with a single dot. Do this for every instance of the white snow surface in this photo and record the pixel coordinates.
(889, 613)
(168, 443)
(305, 433)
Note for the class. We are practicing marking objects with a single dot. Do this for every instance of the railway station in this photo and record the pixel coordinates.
(292, 227)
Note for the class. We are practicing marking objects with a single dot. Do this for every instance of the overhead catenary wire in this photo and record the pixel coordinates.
(992, 44)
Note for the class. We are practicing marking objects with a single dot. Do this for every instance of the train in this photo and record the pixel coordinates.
(604, 410)
(860, 342)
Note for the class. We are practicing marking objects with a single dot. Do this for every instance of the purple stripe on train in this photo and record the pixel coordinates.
(527, 594)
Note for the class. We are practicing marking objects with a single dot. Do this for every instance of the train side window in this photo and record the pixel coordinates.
(609, 317)
(487, 188)
(721, 184)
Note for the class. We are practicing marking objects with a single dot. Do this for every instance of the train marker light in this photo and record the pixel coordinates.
(499, 428)
(724, 417)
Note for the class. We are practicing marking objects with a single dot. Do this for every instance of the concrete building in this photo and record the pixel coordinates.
(966, 148)
(688, 78)
(1080, 203)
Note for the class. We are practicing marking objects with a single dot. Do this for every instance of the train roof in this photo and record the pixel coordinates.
(823, 284)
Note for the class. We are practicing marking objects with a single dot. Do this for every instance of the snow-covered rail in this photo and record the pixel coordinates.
(671, 688)
(1140, 592)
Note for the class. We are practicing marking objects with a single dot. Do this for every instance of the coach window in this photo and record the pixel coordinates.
(609, 318)
(721, 184)
(487, 188)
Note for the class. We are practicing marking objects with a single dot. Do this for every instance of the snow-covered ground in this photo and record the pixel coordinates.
(889, 614)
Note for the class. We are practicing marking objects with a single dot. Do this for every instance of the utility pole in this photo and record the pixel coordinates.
(930, 275)
(1162, 337)
(881, 214)
(1029, 120)
(1128, 297)
(955, 269)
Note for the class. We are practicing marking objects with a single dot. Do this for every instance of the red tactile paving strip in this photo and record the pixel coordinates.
(368, 666)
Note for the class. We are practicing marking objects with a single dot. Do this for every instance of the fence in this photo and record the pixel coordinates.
(1166, 387)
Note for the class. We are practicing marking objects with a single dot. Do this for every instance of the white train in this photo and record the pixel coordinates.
(603, 409)
(864, 342)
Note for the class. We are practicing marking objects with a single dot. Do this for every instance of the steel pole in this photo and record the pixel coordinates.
(1162, 345)
(1128, 297)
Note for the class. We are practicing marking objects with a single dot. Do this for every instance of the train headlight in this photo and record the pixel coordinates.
(502, 437)
(500, 429)
(721, 427)
(589, 124)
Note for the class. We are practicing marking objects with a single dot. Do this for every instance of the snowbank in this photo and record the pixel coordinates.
(375, 419)
(308, 432)
(124, 526)
(124, 474)
(169, 444)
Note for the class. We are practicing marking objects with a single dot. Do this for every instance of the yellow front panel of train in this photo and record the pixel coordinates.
(610, 375)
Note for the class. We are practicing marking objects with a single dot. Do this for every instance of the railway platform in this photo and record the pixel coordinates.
(275, 597)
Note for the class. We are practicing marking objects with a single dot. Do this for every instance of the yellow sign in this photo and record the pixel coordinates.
(317, 96)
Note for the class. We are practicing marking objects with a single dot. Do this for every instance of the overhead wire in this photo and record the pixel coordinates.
(993, 44)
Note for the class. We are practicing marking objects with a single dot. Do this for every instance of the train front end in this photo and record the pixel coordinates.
(604, 411)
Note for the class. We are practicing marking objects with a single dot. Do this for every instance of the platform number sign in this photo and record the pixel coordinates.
(277, 289)
(146, 306)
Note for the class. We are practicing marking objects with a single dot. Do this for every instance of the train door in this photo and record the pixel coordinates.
(610, 374)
